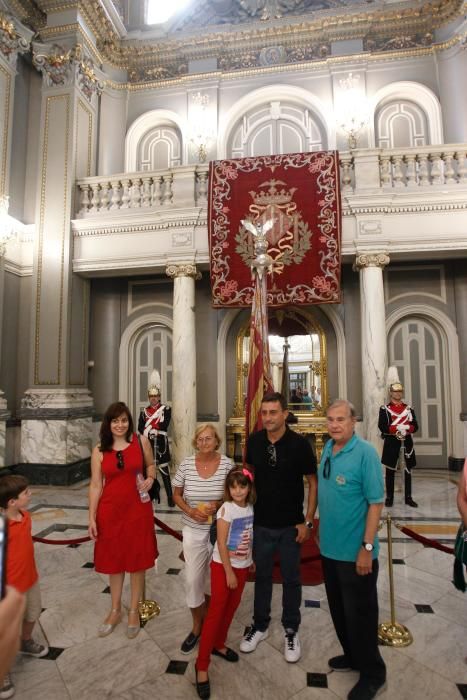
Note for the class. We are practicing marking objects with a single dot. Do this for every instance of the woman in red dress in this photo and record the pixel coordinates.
(120, 522)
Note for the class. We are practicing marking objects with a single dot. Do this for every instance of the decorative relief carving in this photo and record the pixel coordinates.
(397, 43)
(87, 80)
(258, 39)
(54, 62)
(59, 67)
(182, 239)
(11, 42)
(183, 270)
(371, 260)
(273, 56)
(370, 228)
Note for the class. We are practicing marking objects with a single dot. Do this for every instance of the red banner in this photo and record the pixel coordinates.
(259, 365)
(300, 193)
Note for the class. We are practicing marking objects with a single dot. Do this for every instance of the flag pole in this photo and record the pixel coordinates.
(259, 365)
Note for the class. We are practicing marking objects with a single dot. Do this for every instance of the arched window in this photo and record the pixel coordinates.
(276, 127)
(416, 350)
(152, 350)
(159, 148)
(399, 124)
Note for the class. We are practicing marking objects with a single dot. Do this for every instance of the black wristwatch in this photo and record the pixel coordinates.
(309, 524)
(368, 546)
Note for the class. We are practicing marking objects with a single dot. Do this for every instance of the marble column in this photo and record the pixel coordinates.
(374, 342)
(14, 39)
(183, 359)
(56, 428)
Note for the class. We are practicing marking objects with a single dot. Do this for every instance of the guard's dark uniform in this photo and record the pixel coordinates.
(397, 423)
(154, 423)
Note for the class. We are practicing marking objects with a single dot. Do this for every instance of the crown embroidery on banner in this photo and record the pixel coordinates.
(289, 238)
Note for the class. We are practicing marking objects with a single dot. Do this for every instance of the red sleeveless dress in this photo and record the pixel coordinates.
(126, 540)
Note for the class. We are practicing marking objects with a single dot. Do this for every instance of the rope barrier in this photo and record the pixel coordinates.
(168, 530)
(78, 540)
(424, 540)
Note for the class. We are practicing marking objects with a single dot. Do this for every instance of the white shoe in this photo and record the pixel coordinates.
(292, 650)
(251, 639)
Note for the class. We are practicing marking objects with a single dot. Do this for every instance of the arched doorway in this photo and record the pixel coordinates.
(417, 350)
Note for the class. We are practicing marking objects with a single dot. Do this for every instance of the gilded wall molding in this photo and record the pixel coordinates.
(382, 28)
(5, 75)
(50, 101)
(89, 115)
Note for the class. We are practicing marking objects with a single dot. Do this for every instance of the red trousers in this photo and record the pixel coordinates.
(222, 606)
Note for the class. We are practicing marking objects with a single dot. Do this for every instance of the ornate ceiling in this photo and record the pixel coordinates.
(238, 34)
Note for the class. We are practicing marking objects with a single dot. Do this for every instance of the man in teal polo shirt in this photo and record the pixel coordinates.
(350, 501)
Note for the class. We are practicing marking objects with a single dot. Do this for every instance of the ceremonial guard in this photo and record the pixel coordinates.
(397, 422)
(154, 423)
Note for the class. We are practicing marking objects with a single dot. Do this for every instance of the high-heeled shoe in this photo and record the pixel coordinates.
(133, 630)
(107, 628)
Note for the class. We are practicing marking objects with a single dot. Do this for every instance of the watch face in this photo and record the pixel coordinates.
(368, 547)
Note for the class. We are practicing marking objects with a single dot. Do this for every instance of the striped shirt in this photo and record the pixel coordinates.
(197, 490)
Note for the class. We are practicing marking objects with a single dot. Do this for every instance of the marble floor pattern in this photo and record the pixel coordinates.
(81, 666)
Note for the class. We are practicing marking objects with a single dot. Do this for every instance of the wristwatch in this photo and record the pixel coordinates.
(368, 546)
(309, 524)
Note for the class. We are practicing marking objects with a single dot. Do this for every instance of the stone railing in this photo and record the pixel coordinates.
(423, 167)
(362, 169)
(183, 186)
(404, 168)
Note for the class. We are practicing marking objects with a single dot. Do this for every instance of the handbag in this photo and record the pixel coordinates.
(460, 559)
(213, 532)
(155, 490)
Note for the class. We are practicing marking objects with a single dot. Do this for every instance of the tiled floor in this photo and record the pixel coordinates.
(82, 666)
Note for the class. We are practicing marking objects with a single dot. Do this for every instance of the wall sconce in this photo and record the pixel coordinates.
(7, 230)
(202, 133)
(353, 109)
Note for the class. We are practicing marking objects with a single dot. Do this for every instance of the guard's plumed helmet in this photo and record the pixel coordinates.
(397, 386)
(154, 388)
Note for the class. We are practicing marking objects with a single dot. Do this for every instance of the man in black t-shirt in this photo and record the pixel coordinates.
(280, 459)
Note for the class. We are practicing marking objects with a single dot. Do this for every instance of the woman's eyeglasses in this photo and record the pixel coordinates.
(120, 462)
(272, 456)
(327, 468)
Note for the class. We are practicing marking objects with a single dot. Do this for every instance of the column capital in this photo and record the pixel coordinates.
(182, 270)
(371, 260)
(62, 67)
(14, 38)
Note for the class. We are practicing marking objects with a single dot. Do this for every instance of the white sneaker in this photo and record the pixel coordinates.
(251, 639)
(292, 650)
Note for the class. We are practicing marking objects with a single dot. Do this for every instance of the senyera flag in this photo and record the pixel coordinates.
(259, 366)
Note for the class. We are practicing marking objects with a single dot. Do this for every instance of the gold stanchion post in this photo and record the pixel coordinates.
(147, 609)
(393, 634)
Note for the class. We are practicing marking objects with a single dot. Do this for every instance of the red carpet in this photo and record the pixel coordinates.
(310, 568)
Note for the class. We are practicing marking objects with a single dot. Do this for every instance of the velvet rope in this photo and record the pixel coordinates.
(425, 541)
(78, 540)
(168, 530)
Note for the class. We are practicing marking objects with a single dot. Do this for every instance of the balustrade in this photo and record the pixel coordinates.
(137, 191)
(422, 167)
(399, 169)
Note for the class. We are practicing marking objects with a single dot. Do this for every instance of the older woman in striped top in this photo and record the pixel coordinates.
(198, 489)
